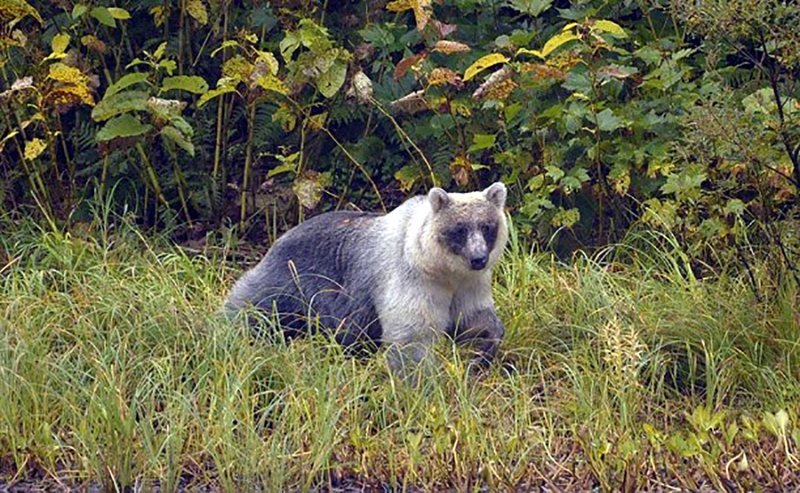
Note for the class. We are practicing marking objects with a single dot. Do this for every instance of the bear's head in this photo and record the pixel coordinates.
(469, 229)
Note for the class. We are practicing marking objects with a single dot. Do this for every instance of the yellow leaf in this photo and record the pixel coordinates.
(421, 8)
(34, 148)
(483, 63)
(399, 5)
(197, 9)
(60, 43)
(65, 73)
(556, 41)
(449, 47)
(610, 27)
(569, 26)
(526, 51)
(270, 60)
(272, 83)
(159, 15)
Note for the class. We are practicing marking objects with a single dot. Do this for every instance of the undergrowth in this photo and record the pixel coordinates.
(621, 370)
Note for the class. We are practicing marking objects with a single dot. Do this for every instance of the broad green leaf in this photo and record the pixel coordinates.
(60, 43)
(483, 63)
(530, 7)
(103, 16)
(190, 83)
(181, 124)
(330, 82)
(119, 103)
(121, 127)
(482, 141)
(607, 121)
(78, 10)
(126, 80)
(119, 13)
(554, 172)
(289, 45)
(173, 134)
(169, 66)
(213, 93)
(557, 41)
(610, 27)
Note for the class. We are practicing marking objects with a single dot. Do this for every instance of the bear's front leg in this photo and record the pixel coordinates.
(484, 331)
(410, 328)
(474, 320)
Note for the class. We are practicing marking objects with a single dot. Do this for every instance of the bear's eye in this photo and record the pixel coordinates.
(456, 236)
(489, 231)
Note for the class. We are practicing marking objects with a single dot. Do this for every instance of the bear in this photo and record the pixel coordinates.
(400, 279)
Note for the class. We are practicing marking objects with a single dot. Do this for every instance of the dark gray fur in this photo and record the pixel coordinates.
(320, 281)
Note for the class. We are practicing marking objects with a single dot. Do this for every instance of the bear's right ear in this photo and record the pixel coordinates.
(438, 199)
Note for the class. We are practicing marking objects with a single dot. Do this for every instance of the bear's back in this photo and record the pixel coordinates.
(317, 269)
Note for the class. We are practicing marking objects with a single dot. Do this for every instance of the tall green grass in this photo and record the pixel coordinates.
(622, 370)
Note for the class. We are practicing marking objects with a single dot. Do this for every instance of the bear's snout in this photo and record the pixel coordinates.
(478, 263)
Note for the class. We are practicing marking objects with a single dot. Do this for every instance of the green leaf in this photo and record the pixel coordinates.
(482, 141)
(285, 167)
(162, 48)
(554, 172)
(565, 218)
(173, 134)
(126, 81)
(181, 124)
(530, 7)
(118, 13)
(557, 41)
(225, 44)
(483, 63)
(330, 81)
(289, 45)
(103, 16)
(190, 83)
(119, 103)
(121, 127)
(60, 43)
(607, 121)
(213, 93)
(78, 10)
(610, 27)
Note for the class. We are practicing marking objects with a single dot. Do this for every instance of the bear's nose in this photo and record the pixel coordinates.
(478, 263)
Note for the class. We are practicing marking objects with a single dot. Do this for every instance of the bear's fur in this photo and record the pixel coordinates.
(400, 279)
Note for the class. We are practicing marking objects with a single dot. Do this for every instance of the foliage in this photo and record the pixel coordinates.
(600, 115)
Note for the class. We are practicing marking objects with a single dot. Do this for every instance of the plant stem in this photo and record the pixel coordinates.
(151, 172)
(248, 158)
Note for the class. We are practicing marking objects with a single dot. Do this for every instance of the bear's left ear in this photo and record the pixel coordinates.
(438, 199)
(496, 194)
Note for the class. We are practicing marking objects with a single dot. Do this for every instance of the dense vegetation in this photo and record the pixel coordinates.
(601, 115)
(661, 136)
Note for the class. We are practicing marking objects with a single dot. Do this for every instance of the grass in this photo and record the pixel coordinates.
(621, 371)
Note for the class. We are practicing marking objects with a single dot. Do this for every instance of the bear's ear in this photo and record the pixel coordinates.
(496, 194)
(438, 199)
